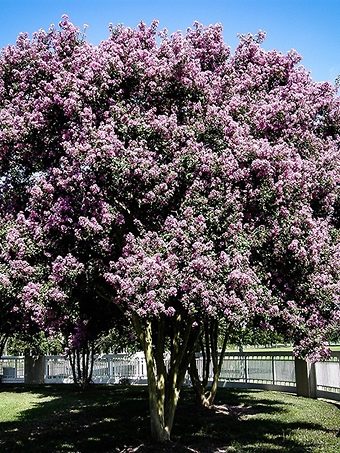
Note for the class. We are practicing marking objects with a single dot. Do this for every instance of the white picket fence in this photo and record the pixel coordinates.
(269, 370)
(107, 369)
(12, 369)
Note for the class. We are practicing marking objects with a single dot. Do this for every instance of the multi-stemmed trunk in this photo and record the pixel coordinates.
(82, 361)
(165, 378)
(212, 361)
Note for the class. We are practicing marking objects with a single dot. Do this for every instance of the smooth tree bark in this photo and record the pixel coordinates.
(165, 375)
(212, 358)
(3, 341)
(82, 361)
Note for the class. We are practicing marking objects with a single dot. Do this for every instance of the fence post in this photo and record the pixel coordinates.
(34, 370)
(245, 369)
(305, 378)
(16, 367)
(47, 368)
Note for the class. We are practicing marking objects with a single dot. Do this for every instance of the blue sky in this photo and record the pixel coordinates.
(312, 27)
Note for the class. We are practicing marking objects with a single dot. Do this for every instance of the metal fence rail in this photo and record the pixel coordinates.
(328, 377)
(259, 369)
(269, 370)
(107, 369)
(12, 369)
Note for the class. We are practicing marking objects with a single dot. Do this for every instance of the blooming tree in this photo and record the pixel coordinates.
(19, 283)
(176, 182)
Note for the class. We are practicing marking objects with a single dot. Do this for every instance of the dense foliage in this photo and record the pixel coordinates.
(167, 181)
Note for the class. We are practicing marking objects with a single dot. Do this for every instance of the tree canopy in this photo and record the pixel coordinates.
(168, 181)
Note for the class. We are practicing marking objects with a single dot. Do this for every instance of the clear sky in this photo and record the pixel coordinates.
(312, 27)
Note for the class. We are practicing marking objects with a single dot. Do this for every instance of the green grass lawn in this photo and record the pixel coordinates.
(115, 419)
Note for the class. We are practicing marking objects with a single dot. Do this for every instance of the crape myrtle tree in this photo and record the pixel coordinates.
(62, 293)
(43, 298)
(19, 310)
(171, 282)
(175, 182)
(291, 195)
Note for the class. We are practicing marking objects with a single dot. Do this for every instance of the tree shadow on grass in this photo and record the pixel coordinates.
(243, 422)
(115, 419)
(96, 420)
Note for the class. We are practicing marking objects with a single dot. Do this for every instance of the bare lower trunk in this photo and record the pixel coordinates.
(211, 356)
(3, 341)
(197, 383)
(165, 382)
(81, 361)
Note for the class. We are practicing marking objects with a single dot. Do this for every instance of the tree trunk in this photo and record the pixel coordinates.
(204, 396)
(3, 341)
(164, 385)
(82, 361)
(156, 384)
